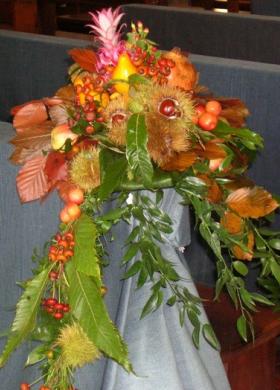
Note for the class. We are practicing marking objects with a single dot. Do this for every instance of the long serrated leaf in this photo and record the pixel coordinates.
(26, 312)
(85, 256)
(136, 150)
(88, 307)
(133, 270)
(113, 169)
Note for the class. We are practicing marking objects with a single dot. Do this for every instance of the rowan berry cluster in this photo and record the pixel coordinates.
(62, 248)
(55, 308)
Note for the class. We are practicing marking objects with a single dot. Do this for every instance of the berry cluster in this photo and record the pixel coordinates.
(55, 308)
(26, 386)
(207, 116)
(61, 250)
(150, 65)
(71, 211)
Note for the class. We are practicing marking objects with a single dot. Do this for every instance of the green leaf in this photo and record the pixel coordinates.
(210, 336)
(113, 168)
(172, 300)
(133, 270)
(136, 150)
(262, 299)
(88, 307)
(240, 267)
(195, 336)
(151, 304)
(27, 307)
(85, 256)
(275, 269)
(267, 232)
(133, 235)
(131, 252)
(36, 355)
(275, 243)
(242, 327)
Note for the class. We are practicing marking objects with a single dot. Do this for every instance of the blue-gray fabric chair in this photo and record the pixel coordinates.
(238, 36)
(265, 7)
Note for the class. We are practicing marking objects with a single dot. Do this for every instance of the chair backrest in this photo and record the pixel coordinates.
(265, 7)
(32, 66)
(246, 37)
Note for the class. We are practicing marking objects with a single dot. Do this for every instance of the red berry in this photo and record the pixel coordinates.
(59, 306)
(207, 121)
(69, 236)
(200, 109)
(213, 107)
(53, 275)
(51, 301)
(24, 386)
(58, 315)
(168, 107)
(66, 308)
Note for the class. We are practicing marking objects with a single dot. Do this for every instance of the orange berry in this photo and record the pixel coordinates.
(68, 253)
(63, 243)
(64, 216)
(61, 258)
(73, 210)
(76, 195)
(69, 236)
(52, 256)
(213, 107)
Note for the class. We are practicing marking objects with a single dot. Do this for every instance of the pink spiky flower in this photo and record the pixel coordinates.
(105, 27)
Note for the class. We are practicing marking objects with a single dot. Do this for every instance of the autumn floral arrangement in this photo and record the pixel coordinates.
(133, 117)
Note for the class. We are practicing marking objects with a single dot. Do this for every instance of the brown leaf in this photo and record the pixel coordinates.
(86, 58)
(214, 193)
(34, 137)
(30, 114)
(66, 93)
(21, 155)
(251, 202)
(180, 161)
(56, 167)
(31, 181)
(238, 182)
(211, 150)
(240, 254)
(58, 115)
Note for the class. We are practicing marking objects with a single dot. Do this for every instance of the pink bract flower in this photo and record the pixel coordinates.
(105, 27)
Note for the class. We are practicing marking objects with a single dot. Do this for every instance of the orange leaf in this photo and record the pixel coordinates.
(232, 222)
(31, 181)
(86, 58)
(240, 254)
(251, 202)
(30, 114)
(34, 137)
(180, 161)
(66, 93)
(214, 193)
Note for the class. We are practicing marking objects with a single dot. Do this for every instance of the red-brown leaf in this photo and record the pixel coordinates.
(56, 167)
(86, 58)
(34, 137)
(21, 155)
(251, 202)
(180, 161)
(30, 114)
(31, 181)
(211, 150)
